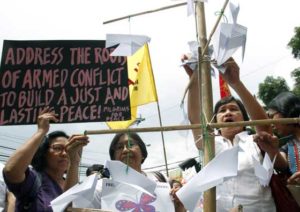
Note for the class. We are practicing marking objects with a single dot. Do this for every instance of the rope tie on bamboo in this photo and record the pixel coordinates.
(218, 13)
(205, 58)
(205, 133)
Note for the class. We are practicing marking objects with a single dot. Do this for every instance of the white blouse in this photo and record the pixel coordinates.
(244, 189)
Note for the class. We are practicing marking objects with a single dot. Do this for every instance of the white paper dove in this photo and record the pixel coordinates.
(80, 193)
(229, 37)
(128, 44)
(122, 173)
(264, 172)
(223, 166)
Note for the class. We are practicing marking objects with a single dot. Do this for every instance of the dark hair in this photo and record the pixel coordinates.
(225, 101)
(39, 161)
(286, 103)
(94, 167)
(172, 182)
(131, 135)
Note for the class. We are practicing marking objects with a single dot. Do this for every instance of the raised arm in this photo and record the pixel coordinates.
(17, 164)
(193, 105)
(74, 149)
(254, 109)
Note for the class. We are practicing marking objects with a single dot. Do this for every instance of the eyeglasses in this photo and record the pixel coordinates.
(129, 145)
(58, 148)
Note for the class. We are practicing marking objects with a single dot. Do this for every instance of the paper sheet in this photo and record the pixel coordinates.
(263, 172)
(82, 193)
(121, 173)
(223, 166)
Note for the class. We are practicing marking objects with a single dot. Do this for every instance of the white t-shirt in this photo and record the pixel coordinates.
(244, 189)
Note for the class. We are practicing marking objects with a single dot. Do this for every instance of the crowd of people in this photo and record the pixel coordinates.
(47, 164)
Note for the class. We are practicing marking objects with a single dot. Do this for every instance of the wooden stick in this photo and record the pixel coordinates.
(143, 13)
(70, 209)
(196, 126)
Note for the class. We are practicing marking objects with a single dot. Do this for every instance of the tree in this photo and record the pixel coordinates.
(271, 87)
(296, 76)
(294, 43)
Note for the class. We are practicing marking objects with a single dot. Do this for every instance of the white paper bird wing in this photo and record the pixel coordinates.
(121, 173)
(263, 172)
(234, 10)
(232, 36)
(125, 49)
(85, 189)
(128, 44)
(223, 166)
(190, 7)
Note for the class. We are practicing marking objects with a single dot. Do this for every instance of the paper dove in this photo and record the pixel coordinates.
(192, 60)
(229, 37)
(223, 166)
(264, 172)
(121, 173)
(82, 193)
(128, 44)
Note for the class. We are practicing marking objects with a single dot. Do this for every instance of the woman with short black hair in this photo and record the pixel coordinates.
(51, 156)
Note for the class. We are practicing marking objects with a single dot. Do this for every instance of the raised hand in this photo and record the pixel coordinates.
(294, 179)
(267, 142)
(74, 147)
(44, 118)
(232, 73)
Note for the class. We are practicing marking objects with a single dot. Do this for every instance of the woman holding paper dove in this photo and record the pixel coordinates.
(50, 156)
(130, 149)
(245, 189)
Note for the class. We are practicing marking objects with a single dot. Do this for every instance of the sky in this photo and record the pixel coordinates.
(270, 27)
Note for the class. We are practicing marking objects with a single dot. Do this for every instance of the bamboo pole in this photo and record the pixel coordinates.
(206, 102)
(145, 12)
(197, 126)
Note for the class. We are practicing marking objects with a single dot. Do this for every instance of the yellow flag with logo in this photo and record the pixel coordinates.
(141, 85)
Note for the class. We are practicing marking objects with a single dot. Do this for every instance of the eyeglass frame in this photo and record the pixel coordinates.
(120, 147)
(59, 149)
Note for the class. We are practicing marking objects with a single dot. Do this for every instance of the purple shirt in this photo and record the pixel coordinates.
(48, 191)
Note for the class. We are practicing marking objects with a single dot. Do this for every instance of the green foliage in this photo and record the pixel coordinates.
(296, 76)
(271, 87)
(294, 43)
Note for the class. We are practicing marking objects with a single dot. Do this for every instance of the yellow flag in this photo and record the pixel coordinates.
(141, 85)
